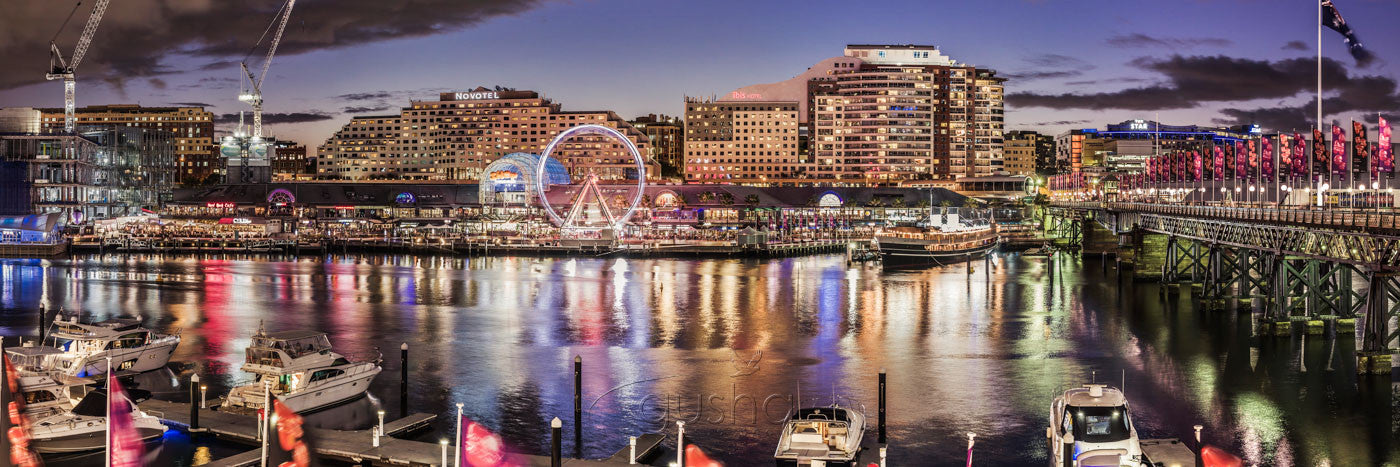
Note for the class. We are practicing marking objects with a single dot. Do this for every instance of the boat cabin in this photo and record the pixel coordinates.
(279, 348)
(818, 430)
(1095, 414)
(87, 339)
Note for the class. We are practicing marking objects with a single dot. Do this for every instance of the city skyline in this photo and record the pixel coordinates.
(357, 59)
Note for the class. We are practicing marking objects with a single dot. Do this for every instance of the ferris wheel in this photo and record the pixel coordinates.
(611, 208)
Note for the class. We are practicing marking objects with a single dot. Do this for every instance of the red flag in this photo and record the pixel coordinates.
(14, 424)
(1212, 456)
(125, 442)
(1385, 155)
(1300, 156)
(483, 448)
(1266, 157)
(1319, 150)
(1219, 163)
(294, 445)
(694, 456)
(1339, 150)
(1285, 156)
(1360, 146)
(1241, 161)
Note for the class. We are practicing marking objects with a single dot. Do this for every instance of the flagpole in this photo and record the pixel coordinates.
(107, 457)
(1328, 165)
(459, 435)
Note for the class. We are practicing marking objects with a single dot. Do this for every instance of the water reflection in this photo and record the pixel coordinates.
(729, 345)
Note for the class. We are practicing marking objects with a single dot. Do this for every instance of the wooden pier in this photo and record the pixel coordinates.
(356, 446)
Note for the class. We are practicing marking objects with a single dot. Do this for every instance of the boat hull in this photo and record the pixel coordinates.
(127, 361)
(306, 400)
(908, 254)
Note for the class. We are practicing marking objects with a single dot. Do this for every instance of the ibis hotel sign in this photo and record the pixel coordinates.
(476, 95)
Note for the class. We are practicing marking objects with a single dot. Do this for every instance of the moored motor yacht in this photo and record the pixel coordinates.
(299, 368)
(84, 427)
(821, 436)
(82, 349)
(1091, 426)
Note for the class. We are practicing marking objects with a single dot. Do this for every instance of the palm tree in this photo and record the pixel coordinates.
(752, 200)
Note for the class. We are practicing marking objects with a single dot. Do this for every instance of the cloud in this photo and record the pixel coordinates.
(1035, 75)
(1058, 123)
(1193, 80)
(156, 83)
(1139, 40)
(1295, 45)
(145, 38)
(1106, 80)
(366, 109)
(191, 104)
(276, 118)
(1057, 61)
(364, 96)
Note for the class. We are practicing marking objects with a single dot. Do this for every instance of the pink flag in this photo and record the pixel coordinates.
(1266, 157)
(1339, 150)
(1385, 155)
(1300, 156)
(124, 442)
(483, 448)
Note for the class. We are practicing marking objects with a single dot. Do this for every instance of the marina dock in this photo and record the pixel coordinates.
(356, 446)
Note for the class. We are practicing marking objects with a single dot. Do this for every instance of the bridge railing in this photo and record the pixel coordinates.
(1340, 218)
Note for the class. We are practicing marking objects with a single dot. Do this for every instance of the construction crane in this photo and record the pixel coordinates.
(64, 69)
(250, 87)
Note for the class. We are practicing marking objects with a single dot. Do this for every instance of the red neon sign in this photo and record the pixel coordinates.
(219, 205)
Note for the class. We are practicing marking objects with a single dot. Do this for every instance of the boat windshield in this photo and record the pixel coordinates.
(94, 404)
(1100, 424)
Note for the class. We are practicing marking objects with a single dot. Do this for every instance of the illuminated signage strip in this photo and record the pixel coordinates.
(471, 96)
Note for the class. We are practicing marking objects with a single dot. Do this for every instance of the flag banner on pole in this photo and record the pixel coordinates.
(1198, 165)
(126, 448)
(1301, 155)
(1333, 20)
(292, 445)
(1285, 157)
(14, 424)
(1339, 150)
(1207, 165)
(1266, 160)
(1219, 163)
(1360, 147)
(1241, 161)
(1319, 150)
(1253, 157)
(1385, 154)
(483, 448)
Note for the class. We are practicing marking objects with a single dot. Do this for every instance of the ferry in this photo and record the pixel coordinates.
(935, 243)
(299, 369)
(82, 349)
(828, 436)
(1091, 426)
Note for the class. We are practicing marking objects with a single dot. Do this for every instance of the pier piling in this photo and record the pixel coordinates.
(194, 402)
(578, 406)
(403, 380)
(556, 431)
(42, 312)
(882, 406)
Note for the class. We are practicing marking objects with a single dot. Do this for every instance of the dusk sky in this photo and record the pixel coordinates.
(1070, 64)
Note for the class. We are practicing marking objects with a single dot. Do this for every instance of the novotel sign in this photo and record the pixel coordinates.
(472, 96)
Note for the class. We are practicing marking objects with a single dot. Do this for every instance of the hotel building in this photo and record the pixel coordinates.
(458, 135)
(192, 128)
(742, 142)
(892, 114)
(667, 136)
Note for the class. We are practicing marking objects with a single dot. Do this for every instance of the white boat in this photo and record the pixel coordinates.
(828, 436)
(300, 369)
(1091, 426)
(940, 240)
(84, 427)
(82, 349)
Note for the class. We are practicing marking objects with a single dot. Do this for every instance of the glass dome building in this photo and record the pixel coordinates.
(511, 179)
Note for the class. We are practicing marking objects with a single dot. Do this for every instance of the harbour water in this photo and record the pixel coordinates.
(729, 345)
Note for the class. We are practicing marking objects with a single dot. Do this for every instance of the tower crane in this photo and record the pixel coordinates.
(64, 69)
(250, 87)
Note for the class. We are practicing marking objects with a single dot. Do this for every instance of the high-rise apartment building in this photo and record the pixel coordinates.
(890, 114)
(192, 129)
(667, 136)
(748, 142)
(1029, 152)
(458, 135)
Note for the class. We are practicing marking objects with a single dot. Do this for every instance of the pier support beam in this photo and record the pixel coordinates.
(1378, 338)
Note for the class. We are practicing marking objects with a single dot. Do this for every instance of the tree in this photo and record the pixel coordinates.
(726, 199)
(945, 203)
(898, 202)
(752, 200)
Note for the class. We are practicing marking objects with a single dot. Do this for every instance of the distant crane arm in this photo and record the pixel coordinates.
(91, 28)
(276, 39)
